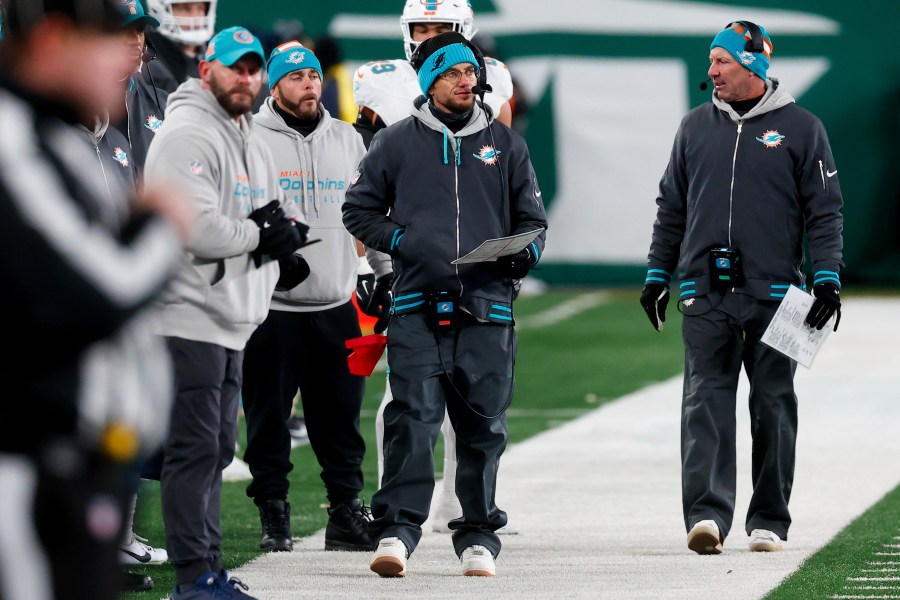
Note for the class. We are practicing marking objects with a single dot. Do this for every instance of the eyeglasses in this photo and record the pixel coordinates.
(452, 75)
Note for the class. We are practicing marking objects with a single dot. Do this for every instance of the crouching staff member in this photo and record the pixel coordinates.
(750, 172)
(301, 343)
(430, 190)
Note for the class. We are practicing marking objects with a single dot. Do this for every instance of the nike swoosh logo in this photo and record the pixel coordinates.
(538, 194)
(831, 173)
(143, 558)
(266, 225)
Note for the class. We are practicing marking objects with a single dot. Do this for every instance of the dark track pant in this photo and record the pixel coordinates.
(305, 351)
(480, 358)
(199, 446)
(716, 344)
(61, 519)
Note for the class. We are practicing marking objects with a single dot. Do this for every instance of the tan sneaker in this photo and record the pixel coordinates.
(763, 540)
(390, 558)
(704, 538)
(477, 561)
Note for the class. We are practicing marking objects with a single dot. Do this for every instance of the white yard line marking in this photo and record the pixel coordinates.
(563, 311)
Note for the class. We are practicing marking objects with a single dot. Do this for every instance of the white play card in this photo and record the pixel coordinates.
(788, 332)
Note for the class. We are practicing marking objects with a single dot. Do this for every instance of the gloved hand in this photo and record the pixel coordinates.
(828, 302)
(294, 271)
(375, 300)
(654, 299)
(279, 236)
(516, 266)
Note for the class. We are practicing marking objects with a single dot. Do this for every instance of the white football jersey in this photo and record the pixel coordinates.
(389, 87)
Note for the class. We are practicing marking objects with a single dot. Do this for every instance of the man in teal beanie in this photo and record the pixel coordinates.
(750, 176)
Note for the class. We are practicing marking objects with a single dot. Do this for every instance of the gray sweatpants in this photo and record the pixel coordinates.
(480, 358)
(200, 444)
(716, 343)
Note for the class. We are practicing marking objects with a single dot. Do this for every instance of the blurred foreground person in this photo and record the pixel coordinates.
(87, 388)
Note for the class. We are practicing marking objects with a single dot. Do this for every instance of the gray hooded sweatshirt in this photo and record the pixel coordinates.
(219, 295)
(314, 172)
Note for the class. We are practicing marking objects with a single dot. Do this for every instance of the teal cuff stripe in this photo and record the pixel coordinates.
(779, 286)
(821, 279)
(406, 306)
(407, 297)
(501, 317)
(774, 295)
(396, 240)
(826, 273)
(659, 279)
(688, 284)
(666, 273)
(503, 308)
(537, 253)
(687, 293)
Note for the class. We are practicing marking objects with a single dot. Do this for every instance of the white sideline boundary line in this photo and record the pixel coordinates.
(597, 500)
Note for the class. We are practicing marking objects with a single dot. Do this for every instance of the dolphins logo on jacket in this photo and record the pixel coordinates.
(120, 156)
(153, 123)
(488, 155)
(770, 139)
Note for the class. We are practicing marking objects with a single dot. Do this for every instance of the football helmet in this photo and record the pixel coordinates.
(191, 31)
(456, 12)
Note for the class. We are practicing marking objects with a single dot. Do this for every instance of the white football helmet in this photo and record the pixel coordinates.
(456, 12)
(191, 31)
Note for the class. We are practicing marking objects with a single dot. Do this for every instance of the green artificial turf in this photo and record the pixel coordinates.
(826, 573)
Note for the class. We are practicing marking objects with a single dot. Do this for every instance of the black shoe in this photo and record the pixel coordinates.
(275, 516)
(135, 582)
(348, 528)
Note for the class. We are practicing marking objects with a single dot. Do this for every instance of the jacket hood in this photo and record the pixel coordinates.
(269, 118)
(479, 121)
(100, 126)
(192, 95)
(774, 98)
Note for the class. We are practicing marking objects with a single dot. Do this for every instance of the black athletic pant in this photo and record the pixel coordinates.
(716, 343)
(480, 358)
(61, 518)
(303, 351)
(199, 446)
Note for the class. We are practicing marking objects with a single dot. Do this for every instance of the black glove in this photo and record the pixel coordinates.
(375, 300)
(654, 299)
(294, 271)
(516, 266)
(828, 302)
(279, 236)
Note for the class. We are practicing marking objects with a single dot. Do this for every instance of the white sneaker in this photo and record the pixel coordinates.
(448, 508)
(390, 558)
(477, 561)
(138, 552)
(704, 538)
(763, 540)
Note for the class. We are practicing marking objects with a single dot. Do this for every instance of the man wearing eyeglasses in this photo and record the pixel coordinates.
(430, 190)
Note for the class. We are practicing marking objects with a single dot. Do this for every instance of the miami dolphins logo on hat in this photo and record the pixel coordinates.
(131, 5)
(243, 36)
(196, 167)
(439, 61)
(211, 49)
(120, 157)
(746, 58)
(296, 58)
(488, 155)
(153, 123)
(771, 139)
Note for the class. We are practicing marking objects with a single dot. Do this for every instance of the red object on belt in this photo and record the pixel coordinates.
(367, 351)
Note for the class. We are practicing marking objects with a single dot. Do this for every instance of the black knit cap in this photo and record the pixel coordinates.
(23, 15)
